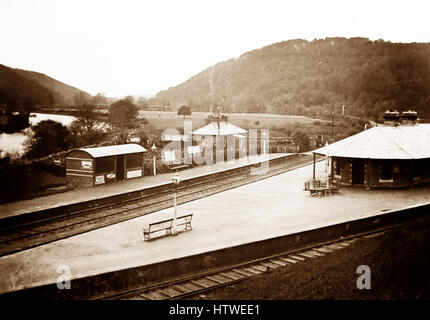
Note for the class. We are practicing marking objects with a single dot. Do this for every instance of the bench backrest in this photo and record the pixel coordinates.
(165, 224)
(160, 225)
(186, 217)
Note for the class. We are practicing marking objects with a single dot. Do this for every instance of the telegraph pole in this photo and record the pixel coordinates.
(332, 127)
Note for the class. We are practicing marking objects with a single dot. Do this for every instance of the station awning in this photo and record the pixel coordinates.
(383, 142)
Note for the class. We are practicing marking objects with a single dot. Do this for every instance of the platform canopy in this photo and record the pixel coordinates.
(225, 129)
(383, 142)
(114, 150)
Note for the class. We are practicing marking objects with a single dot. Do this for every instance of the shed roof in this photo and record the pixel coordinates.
(383, 142)
(225, 129)
(114, 150)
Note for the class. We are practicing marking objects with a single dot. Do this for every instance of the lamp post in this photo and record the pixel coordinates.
(175, 181)
(153, 148)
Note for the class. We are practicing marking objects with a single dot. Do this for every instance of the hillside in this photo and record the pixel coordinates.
(25, 90)
(65, 92)
(314, 78)
(17, 92)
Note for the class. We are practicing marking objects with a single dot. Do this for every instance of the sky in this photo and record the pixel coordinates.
(142, 47)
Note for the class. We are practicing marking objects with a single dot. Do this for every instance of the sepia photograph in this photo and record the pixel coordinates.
(220, 155)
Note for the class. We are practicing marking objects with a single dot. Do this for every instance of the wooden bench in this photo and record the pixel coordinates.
(320, 188)
(164, 227)
(322, 191)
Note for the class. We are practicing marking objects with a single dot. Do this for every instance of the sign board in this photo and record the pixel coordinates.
(100, 180)
(135, 140)
(86, 164)
(134, 174)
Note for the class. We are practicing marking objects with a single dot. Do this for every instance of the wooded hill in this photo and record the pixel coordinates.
(23, 90)
(314, 78)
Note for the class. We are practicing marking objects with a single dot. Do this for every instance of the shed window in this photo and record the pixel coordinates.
(386, 171)
(134, 161)
(105, 164)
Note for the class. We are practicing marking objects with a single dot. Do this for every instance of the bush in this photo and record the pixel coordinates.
(47, 137)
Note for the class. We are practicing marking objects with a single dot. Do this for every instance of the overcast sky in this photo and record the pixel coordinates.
(142, 47)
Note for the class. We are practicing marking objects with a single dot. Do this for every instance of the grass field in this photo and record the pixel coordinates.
(169, 119)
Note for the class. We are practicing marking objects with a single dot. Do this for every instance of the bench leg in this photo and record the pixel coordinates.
(173, 230)
(146, 236)
(188, 226)
(168, 231)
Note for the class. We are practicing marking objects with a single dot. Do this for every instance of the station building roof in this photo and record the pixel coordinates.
(225, 129)
(383, 142)
(106, 151)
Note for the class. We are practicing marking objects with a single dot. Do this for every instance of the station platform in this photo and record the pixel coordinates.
(262, 210)
(124, 186)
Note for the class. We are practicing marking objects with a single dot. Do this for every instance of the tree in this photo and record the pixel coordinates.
(142, 103)
(87, 117)
(99, 100)
(79, 99)
(123, 113)
(130, 98)
(87, 128)
(47, 137)
(302, 140)
(184, 111)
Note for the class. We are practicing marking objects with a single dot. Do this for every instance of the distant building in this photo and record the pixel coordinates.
(222, 132)
(393, 154)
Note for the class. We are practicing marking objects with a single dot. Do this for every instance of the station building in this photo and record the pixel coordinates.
(101, 165)
(225, 135)
(393, 154)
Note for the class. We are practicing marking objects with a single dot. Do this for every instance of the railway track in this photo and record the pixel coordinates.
(35, 232)
(193, 285)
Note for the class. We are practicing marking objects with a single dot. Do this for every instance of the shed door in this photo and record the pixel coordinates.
(120, 167)
(357, 171)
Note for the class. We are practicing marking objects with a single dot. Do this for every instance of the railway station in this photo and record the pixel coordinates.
(225, 213)
(220, 221)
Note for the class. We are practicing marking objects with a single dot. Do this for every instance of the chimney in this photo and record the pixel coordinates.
(391, 117)
(409, 117)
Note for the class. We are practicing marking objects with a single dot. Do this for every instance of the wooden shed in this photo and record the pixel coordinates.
(101, 165)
